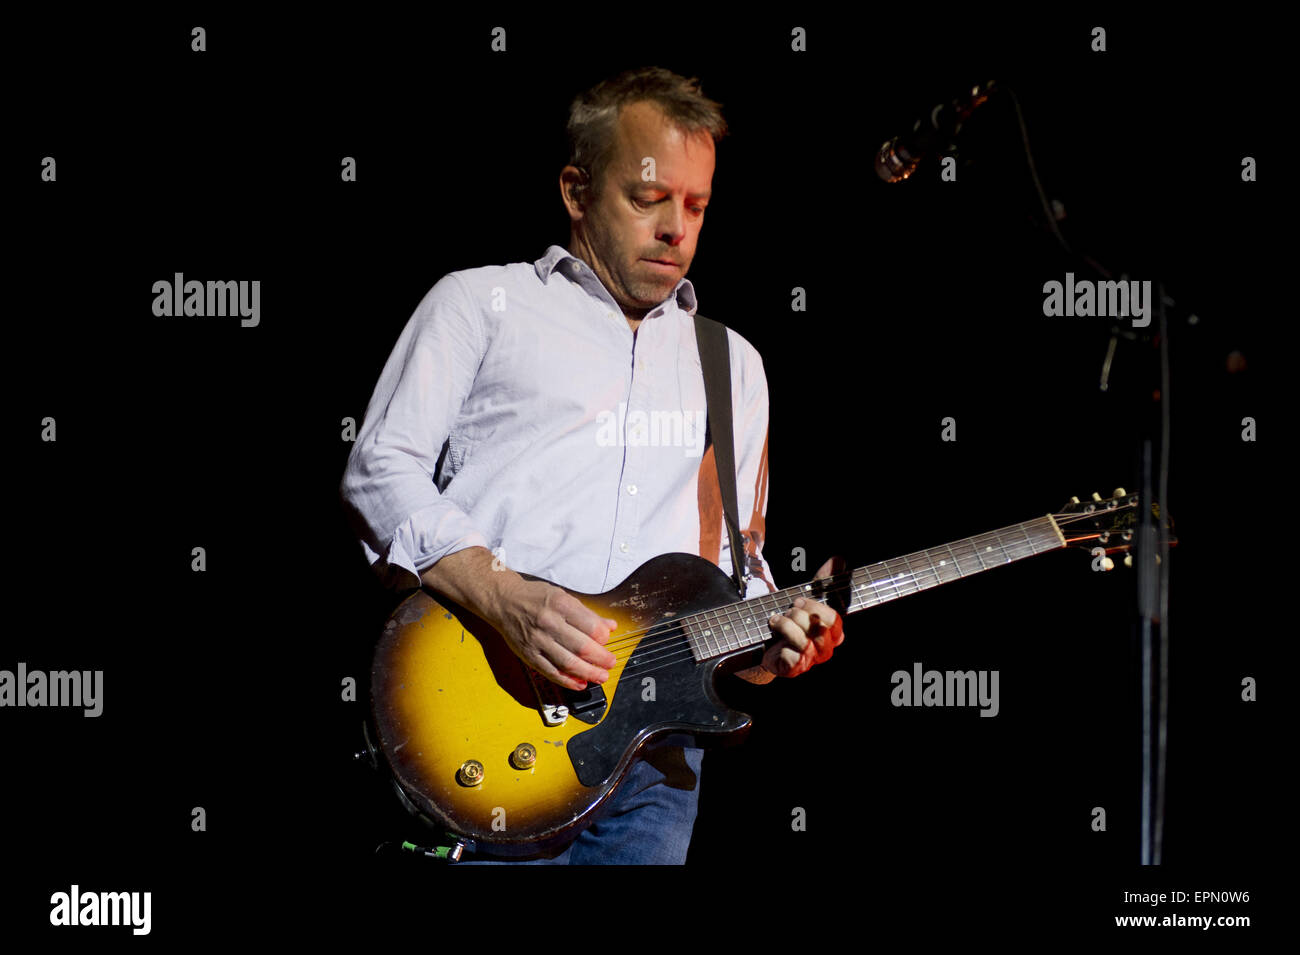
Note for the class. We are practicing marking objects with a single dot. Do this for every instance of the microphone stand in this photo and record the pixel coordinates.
(1151, 551)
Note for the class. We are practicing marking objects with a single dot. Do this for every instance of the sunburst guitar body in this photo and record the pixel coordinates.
(482, 747)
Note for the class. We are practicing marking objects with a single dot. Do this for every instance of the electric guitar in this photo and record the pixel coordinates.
(483, 748)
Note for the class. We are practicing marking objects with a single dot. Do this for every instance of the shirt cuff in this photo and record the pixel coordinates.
(419, 542)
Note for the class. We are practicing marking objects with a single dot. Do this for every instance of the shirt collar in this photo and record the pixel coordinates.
(557, 258)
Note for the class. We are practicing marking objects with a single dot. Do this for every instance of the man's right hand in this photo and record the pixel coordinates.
(554, 633)
(546, 627)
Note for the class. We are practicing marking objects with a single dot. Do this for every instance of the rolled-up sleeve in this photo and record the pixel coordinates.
(388, 489)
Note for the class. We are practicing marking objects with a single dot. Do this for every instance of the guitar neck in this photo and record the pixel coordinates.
(743, 624)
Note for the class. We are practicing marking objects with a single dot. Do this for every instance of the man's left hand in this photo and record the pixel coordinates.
(807, 634)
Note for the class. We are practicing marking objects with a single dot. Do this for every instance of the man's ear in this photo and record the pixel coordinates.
(575, 190)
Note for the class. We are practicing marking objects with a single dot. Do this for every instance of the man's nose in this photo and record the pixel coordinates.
(671, 225)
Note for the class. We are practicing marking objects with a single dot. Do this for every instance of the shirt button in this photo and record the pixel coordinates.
(631, 489)
(623, 547)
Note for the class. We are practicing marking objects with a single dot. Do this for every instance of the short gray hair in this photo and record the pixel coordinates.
(593, 115)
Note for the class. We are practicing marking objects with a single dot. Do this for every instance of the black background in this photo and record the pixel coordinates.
(222, 689)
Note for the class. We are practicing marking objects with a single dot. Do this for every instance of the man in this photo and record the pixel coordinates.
(486, 448)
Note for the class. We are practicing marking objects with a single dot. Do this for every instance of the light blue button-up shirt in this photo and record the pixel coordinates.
(518, 412)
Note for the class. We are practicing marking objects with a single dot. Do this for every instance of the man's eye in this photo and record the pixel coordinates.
(646, 203)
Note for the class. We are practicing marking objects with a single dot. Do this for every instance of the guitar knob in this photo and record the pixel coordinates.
(470, 773)
(1074, 500)
(1096, 496)
(524, 756)
(1119, 492)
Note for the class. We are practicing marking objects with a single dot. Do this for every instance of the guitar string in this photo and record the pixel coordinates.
(678, 643)
(628, 641)
(991, 535)
(828, 585)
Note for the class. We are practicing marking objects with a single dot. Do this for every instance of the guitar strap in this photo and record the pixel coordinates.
(715, 362)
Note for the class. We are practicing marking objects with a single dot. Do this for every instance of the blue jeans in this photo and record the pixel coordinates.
(647, 822)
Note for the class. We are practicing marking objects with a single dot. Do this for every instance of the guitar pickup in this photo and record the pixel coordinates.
(587, 705)
(557, 704)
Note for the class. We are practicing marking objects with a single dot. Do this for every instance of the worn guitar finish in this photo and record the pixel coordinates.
(445, 688)
(474, 741)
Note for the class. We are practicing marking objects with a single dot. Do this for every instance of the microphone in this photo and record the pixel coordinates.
(899, 157)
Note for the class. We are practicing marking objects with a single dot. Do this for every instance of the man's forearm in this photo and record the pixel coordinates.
(468, 578)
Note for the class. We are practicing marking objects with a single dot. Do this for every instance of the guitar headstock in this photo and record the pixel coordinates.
(1108, 524)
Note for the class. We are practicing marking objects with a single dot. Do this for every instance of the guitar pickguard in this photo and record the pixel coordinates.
(676, 698)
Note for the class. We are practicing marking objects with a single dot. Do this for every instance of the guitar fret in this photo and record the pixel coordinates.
(889, 578)
(745, 623)
(730, 628)
(917, 581)
(945, 569)
(938, 579)
(955, 560)
(751, 631)
(872, 585)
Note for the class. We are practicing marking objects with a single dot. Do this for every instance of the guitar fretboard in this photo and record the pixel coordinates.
(743, 624)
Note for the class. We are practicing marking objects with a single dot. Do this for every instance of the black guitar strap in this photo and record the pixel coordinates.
(715, 361)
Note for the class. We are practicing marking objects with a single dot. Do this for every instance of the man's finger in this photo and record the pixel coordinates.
(793, 634)
(575, 667)
(805, 609)
(584, 646)
(592, 630)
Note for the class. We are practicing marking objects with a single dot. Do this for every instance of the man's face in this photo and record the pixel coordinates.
(632, 220)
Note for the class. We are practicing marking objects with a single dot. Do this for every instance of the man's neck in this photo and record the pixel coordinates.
(580, 251)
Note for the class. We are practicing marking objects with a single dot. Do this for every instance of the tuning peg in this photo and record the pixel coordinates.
(1128, 560)
(1119, 492)
(1074, 500)
(1096, 496)
(1107, 564)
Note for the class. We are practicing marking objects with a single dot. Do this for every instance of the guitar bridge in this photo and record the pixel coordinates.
(557, 704)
